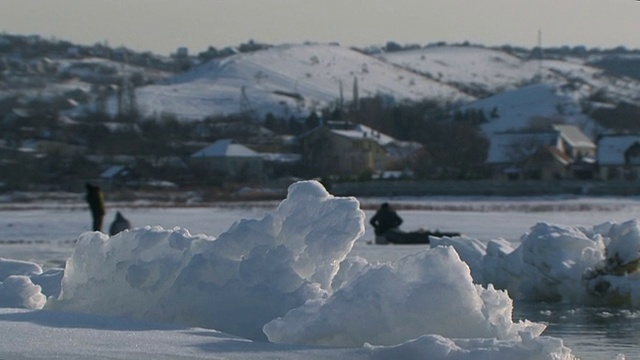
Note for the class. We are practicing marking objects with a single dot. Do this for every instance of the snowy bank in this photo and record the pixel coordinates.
(585, 266)
(288, 279)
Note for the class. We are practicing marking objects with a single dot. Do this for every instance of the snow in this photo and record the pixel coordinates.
(285, 285)
(489, 69)
(225, 147)
(612, 148)
(580, 265)
(516, 108)
(507, 148)
(494, 71)
(286, 80)
(518, 88)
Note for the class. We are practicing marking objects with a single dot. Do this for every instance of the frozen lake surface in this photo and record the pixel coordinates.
(45, 234)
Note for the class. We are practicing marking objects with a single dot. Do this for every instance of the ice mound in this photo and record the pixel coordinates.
(17, 289)
(427, 293)
(596, 266)
(287, 278)
(256, 271)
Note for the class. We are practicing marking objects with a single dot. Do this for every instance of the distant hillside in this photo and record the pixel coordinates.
(511, 85)
(517, 90)
(475, 70)
(619, 64)
(288, 80)
(59, 75)
(294, 80)
(520, 108)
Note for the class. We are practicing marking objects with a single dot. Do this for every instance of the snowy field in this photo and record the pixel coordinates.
(297, 280)
(45, 232)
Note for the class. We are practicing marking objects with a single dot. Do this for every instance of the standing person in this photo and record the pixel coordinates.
(384, 220)
(95, 198)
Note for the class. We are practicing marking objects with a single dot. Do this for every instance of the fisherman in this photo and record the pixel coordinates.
(120, 223)
(384, 220)
(95, 198)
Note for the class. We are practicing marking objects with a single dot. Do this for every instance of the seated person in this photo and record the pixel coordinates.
(384, 220)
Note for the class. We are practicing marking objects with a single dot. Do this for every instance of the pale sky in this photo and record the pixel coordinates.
(162, 26)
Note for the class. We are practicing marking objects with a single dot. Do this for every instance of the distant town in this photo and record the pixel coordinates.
(249, 120)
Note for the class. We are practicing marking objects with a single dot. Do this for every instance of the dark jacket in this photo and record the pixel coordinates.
(120, 223)
(95, 198)
(385, 219)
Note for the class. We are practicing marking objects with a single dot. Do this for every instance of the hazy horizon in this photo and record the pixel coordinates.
(162, 26)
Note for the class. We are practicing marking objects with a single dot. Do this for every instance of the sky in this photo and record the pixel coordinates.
(161, 26)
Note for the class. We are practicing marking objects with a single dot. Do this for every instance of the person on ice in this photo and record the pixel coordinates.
(120, 223)
(95, 198)
(385, 219)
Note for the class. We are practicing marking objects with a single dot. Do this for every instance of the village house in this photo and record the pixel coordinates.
(575, 143)
(117, 175)
(619, 157)
(230, 158)
(348, 149)
(561, 152)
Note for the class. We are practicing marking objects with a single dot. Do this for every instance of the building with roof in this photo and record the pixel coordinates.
(117, 175)
(230, 158)
(575, 143)
(561, 152)
(619, 157)
(349, 149)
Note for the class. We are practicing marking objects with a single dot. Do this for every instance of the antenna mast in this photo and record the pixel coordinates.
(540, 54)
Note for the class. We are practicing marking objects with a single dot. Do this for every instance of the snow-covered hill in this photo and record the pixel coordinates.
(521, 89)
(51, 80)
(518, 109)
(492, 71)
(294, 80)
(288, 80)
(474, 69)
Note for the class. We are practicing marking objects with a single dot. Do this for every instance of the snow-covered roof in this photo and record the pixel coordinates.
(359, 131)
(574, 136)
(282, 157)
(611, 148)
(394, 148)
(225, 147)
(112, 171)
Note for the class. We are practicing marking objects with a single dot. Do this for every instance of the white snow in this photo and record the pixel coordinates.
(287, 279)
(495, 71)
(286, 80)
(515, 109)
(487, 69)
(611, 149)
(580, 265)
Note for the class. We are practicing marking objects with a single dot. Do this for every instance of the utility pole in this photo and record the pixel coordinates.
(245, 103)
(540, 54)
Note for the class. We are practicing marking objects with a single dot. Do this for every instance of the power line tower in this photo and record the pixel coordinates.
(248, 118)
(245, 103)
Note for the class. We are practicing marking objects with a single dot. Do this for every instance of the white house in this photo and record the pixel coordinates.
(619, 157)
